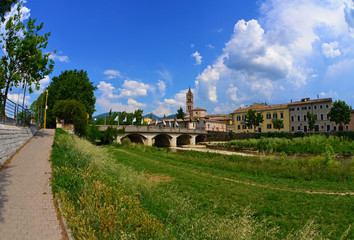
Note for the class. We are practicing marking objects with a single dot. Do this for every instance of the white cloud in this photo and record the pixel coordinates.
(18, 98)
(210, 46)
(166, 75)
(206, 82)
(133, 88)
(162, 88)
(105, 105)
(111, 74)
(133, 103)
(107, 90)
(330, 51)
(25, 15)
(219, 30)
(170, 105)
(198, 58)
(232, 92)
(192, 45)
(59, 58)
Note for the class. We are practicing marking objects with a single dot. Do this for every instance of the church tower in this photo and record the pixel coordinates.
(189, 101)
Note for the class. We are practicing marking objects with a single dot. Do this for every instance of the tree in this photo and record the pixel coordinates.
(23, 59)
(278, 123)
(72, 112)
(340, 113)
(71, 84)
(38, 107)
(5, 6)
(311, 119)
(253, 119)
(180, 114)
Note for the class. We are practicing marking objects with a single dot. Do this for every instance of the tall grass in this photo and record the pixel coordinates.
(315, 144)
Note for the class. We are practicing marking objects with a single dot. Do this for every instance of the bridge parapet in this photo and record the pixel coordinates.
(155, 129)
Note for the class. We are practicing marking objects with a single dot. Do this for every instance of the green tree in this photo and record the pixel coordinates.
(23, 59)
(71, 84)
(5, 6)
(340, 113)
(311, 119)
(72, 112)
(278, 123)
(253, 119)
(180, 114)
(38, 107)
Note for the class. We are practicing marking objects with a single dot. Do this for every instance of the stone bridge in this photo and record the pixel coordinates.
(160, 136)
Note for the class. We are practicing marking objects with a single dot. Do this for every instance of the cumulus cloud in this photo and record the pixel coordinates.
(133, 88)
(198, 58)
(18, 98)
(170, 105)
(206, 83)
(111, 74)
(105, 105)
(59, 58)
(330, 51)
(132, 102)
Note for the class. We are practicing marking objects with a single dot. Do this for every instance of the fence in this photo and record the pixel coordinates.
(13, 113)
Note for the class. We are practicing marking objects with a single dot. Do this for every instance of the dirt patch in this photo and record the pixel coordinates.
(158, 179)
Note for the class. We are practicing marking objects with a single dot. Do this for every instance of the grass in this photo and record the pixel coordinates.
(315, 144)
(140, 192)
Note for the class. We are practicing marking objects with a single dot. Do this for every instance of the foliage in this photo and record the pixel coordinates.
(180, 114)
(126, 142)
(38, 107)
(70, 84)
(108, 136)
(316, 144)
(253, 118)
(311, 118)
(95, 136)
(340, 113)
(72, 112)
(278, 123)
(5, 6)
(23, 58)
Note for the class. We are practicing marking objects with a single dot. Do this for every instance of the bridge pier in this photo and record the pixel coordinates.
(173, 141)
(193, 140)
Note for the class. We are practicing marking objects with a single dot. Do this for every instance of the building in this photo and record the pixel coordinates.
(269, 112)
(345, 127)
(351, 123)
(189, 102)
(320, 107)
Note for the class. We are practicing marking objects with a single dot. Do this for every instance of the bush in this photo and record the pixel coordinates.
(126, 142)
(108, 136)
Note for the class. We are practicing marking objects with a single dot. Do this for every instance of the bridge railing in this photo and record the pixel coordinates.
(156, 129)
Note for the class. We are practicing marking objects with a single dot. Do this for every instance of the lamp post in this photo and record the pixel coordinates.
(45, 111)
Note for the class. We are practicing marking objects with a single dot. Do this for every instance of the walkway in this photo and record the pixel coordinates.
(26, 202)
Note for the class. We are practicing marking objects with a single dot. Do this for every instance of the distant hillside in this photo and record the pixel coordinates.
(154, 117)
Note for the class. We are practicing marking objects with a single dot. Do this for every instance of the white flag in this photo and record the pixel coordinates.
(164, 123)
(134, 120)
(142, 121)
(149, 122)
(169, 123)
(176, 124)
(156, 121)
(125, 119)
(116, 119)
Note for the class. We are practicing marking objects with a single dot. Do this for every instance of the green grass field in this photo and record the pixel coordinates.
(199, 195)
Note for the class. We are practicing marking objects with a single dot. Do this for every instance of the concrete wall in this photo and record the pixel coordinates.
(11, 139)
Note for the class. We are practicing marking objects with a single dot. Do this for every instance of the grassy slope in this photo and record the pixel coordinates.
(289, 210)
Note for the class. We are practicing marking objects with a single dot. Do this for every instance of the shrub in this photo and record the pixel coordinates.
(126, 142)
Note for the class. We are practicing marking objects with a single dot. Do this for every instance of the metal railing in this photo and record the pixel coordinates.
(14, 114)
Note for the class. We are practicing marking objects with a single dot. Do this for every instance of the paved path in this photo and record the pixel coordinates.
(26, 202)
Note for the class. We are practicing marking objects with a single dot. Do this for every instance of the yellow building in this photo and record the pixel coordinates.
(269, 112)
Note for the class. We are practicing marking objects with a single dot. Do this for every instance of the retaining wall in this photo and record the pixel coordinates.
(11, 139)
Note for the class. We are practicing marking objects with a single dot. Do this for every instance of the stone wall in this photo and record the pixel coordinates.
(11, 139)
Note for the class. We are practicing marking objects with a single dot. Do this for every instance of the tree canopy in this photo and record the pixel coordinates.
(71, 84)
(278, 123)
(23, 58)
(5, 6)
(340, 113)
(253, 118)
(73, 112)
(180, 114)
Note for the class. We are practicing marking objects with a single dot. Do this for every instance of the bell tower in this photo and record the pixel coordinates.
(189, 101)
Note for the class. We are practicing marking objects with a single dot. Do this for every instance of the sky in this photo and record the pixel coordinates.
(231, 53)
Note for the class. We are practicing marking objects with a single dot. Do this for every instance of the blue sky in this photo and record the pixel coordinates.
(145, 54)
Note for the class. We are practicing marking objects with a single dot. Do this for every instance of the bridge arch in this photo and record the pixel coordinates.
(184, 139)
(136, 138)
(200, 138)
(162, 140)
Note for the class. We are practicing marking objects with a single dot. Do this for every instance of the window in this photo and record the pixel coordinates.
(298, 108)
(291, 109)
(320, 106)
(321, 116)
(292, 128)
(314, 107)
(269, 116)
(209, 126)
(304, 108)
(335, 128)
(269, 126)
(328, 118)
(292, 118)
(309, 107)
(244, 117)
(196, 113)
(327, 106)
(305, 118)
(238, 118)
(347, 127)
(238, 127)
(250, 127)
(298, 128)
(275, 115)
(189, 107)
(244, 126)
(298, 118)
(281, 115)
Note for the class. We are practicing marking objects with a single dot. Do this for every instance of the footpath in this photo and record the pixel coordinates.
(27, 208)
